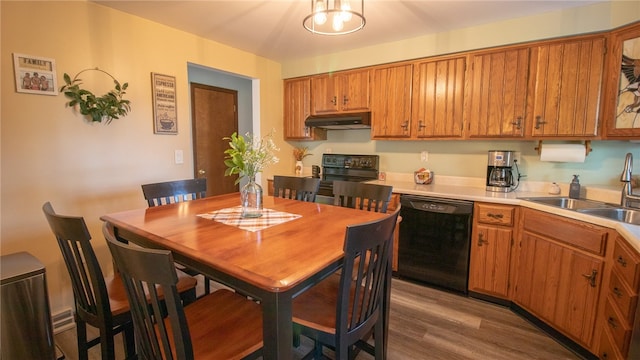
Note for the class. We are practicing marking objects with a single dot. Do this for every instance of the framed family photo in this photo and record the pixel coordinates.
(165, 115)
(35, 74)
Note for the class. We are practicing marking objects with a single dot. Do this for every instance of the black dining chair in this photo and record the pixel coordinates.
(298, 188)
(100, 301)
(174, 191)
(363, 196)
(170, 192)
(343, 313)
(219, 325)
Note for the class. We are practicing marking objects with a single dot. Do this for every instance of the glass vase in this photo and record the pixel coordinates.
(251, 197)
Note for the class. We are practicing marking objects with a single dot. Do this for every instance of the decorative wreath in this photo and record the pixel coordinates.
(104, 108)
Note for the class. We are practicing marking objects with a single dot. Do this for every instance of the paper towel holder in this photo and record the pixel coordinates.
(587, 147)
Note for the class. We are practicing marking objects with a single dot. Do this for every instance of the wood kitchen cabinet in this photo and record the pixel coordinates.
(391, 102)
(297, 107)
(492, 242)
(560, 273)
(345, 91)
(567, 88)
(497, 93)
(438, 98)
(622, 298)
(621, 115)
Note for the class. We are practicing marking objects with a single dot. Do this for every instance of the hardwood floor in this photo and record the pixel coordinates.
(426, 323)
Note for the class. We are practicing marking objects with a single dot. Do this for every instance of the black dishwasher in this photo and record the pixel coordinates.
(435, 236)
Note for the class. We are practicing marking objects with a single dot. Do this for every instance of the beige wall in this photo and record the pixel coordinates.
(51, 154)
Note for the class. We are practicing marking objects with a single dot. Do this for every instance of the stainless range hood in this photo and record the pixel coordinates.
(340, 121)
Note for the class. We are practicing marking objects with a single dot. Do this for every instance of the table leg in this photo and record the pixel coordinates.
(277, 326)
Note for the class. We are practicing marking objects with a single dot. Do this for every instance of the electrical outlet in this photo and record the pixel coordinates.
(424, 156)
(328, 150)
(516, 157)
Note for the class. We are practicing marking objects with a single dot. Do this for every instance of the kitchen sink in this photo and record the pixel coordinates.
(625, 215)
(569, 203)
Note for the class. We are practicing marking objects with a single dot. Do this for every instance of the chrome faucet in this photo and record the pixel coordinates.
(627, 189)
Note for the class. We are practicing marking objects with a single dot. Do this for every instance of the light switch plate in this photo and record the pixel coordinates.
(179, 157)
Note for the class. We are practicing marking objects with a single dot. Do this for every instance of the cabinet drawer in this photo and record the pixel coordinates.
(619, 328)
(627, 263)
(608, 350)
(623, 297)
(495, 214)
(576, 233)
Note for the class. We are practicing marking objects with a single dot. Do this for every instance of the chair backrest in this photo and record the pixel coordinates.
(150, 279)
(299, 188)
(87, 281)
(357, 195)
(174, 191)
(365, 277)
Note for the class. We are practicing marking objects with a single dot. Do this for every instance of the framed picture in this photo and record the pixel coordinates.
(165, 115)
(35, 75)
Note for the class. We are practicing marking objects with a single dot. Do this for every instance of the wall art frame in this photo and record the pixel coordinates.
(35, 74)
(165, 111)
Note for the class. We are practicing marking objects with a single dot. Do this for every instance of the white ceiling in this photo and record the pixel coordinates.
(273, 29)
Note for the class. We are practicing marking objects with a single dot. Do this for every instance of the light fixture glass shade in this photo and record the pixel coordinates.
(345, 19)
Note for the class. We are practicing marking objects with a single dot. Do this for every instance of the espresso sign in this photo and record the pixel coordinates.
(165, 115)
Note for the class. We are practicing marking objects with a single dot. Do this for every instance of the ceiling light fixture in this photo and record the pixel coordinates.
(342, 18)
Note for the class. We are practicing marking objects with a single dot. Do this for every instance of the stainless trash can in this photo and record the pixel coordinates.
(25, 317)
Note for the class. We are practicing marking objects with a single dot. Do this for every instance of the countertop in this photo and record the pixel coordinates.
(455, 188)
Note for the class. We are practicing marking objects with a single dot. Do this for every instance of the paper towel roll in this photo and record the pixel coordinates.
(563, 153)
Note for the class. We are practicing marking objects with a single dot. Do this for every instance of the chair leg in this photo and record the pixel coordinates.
(296, 335)
(107, 344)
(128, 339)
(207, 285)
(81, 335)
(378, 337)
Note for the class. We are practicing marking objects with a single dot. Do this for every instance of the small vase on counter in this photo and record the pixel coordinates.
(298, 167)
(251, 198)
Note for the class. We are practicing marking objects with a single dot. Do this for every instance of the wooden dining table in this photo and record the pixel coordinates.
(272, 259)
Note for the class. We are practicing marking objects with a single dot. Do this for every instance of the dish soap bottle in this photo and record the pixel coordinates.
(574, 188)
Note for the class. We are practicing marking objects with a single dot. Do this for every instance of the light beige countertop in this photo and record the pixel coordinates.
(473, 189)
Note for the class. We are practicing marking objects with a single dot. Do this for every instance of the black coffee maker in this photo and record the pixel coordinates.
(499, 171)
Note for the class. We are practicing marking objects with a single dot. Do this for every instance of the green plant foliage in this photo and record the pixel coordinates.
(104, 108)
(247, 157)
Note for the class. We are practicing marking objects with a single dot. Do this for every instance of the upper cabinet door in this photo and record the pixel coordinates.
(567, 88)
(438, 98)
(340, 92)
(621, 114)
(297, 107)
(497, 93)
(391, 102)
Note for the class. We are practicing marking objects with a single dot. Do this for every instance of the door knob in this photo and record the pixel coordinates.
(201, 172)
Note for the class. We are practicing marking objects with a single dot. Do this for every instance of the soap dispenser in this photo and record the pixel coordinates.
(574, 188)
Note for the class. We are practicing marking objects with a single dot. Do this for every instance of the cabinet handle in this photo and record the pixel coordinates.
(481, 239)
(334, 101)
(622, 261)
(539, 122)
(518, 123)
(617, 292)
(612, 322)
(495, 216)
(345, 100)
(591, 277)
(604, 356)
(421, 125)
(405, 125)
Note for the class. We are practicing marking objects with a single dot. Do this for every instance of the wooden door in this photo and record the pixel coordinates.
(391, 102)
(215, 116)
(297, 107)
(567, 88)
(560, 286)
(354, 91)
(438, 98)
(497, 98)
(490, 260)
(324, 98)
